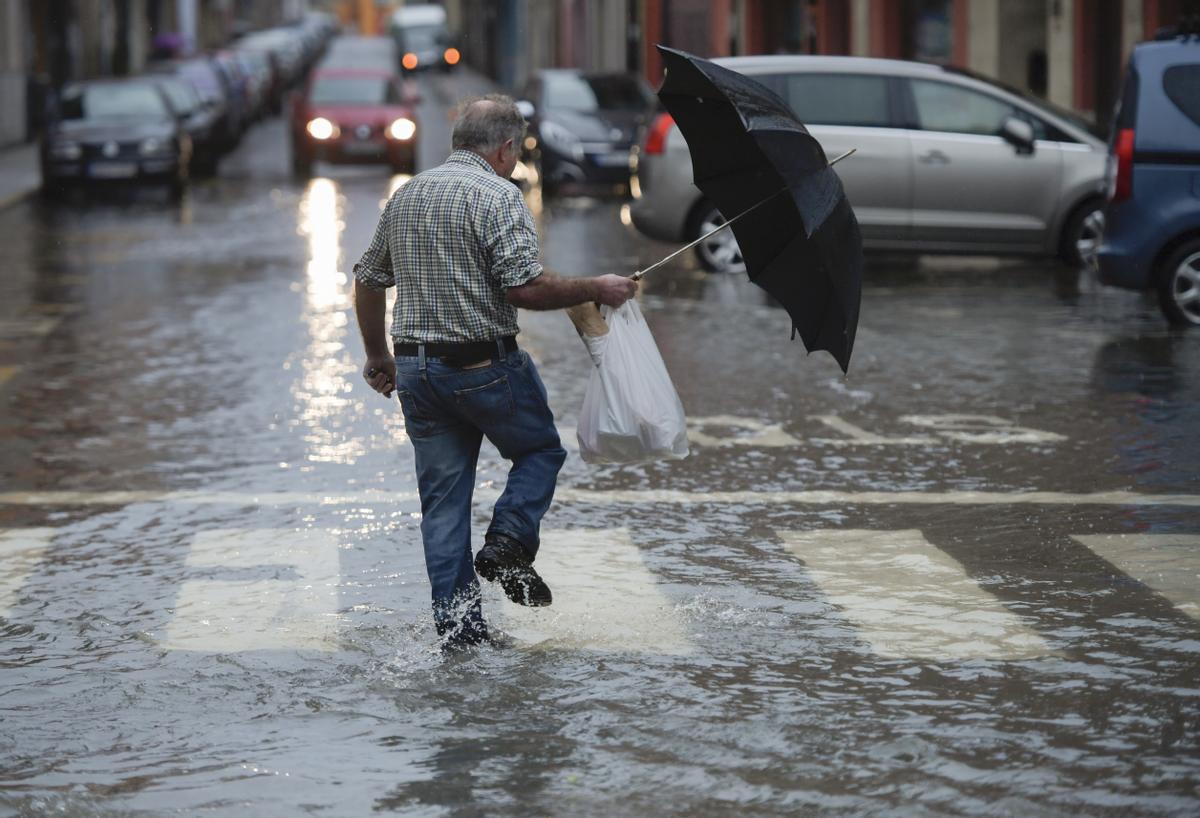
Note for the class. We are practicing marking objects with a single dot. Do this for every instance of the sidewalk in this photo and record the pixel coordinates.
(19, 174)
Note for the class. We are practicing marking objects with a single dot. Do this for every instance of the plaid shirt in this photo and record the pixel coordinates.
(452, 240)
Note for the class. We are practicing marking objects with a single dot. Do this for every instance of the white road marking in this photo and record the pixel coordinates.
(983, 429)
(286, 595)
(21, 328)
(1167, 563)
(760, 434)
(617, 497)
(909, 599)
(977, 429)
(856, 436)
(604, 598)
(21, 550)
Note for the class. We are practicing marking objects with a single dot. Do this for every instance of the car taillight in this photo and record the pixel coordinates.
(656, 138)
(1122, 187)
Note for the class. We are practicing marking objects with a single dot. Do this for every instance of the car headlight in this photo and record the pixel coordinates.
(321, 128)
(402, 129)
(66, 150)
(562, 140)
(152, 146)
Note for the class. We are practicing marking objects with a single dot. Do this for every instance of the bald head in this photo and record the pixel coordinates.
(484, 124)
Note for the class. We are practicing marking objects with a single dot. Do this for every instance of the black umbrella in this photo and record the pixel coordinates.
(795, 228)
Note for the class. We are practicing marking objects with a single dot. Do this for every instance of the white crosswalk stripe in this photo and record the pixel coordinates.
(1167, 563)
(907, 598)
(604, 598)
(285, 595)
(21, 550)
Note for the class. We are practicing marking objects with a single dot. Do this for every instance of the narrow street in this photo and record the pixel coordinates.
(962, 579)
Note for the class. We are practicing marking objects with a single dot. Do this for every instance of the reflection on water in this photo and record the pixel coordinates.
(324, 391)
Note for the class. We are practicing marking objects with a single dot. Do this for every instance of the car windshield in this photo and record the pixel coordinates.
(579, 92)
(351, 91)
(180, 95)
(421, 38)
(1084, 124)
(113, 102)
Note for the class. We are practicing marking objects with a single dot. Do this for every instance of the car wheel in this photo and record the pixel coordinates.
(719, 253)
(1082, 234)
(1178, 283)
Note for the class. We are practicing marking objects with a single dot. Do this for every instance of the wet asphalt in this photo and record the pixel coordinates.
(962, 580)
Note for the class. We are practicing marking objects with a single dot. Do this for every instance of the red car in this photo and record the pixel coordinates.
(354, 115)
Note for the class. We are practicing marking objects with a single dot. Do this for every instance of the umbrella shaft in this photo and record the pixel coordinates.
(640, 273)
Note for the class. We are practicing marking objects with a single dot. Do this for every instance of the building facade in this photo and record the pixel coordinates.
(47, 43)
(1071, 52)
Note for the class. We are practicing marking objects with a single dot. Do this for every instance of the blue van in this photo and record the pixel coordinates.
(1152, 220)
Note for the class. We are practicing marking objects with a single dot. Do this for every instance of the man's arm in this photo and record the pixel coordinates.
(370, 307)
(553, 292)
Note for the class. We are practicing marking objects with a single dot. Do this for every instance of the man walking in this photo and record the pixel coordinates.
(460, 246)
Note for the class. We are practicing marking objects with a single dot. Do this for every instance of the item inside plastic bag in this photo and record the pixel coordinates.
(631, 411)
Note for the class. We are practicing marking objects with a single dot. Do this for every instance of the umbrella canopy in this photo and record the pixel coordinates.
(802, 244)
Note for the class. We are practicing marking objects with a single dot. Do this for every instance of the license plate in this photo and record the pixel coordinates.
(612, 160)
(362, 148)
(112, 170)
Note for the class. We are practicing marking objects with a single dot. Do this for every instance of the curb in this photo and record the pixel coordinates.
(16, 198)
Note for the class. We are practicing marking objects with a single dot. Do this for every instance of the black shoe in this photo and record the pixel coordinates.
(502, 559)
(462, 636)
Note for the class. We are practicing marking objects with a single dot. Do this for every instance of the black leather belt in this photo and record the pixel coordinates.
(456, 354)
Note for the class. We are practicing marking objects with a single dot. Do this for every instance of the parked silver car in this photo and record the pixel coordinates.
(945, 162)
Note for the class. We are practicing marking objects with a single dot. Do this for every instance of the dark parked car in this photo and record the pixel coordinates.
(584, 125)
(355, 115)
(211, 86)
(199, 119)
(1152, 222)
(107, 131)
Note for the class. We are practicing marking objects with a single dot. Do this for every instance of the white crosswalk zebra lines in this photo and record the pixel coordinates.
(21, 550)
(278, 589)
(604, 598)
(1164, 562)
(907, 598)
(283, 592)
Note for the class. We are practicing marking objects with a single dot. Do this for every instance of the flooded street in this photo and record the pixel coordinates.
(964, 580)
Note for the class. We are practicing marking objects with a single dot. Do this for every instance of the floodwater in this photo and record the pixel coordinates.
(961, 581)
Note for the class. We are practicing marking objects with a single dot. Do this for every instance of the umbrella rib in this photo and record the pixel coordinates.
(641, 273)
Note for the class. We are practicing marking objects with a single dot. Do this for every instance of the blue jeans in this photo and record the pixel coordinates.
(447, 412)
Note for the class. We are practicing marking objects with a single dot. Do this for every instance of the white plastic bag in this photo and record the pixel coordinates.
(631, 411)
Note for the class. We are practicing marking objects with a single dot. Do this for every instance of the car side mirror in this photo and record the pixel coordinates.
(526, 108)
(1018, 133)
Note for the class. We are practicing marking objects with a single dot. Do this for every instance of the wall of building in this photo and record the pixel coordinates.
(13, 67)
(1060, 52)
(1021, 44)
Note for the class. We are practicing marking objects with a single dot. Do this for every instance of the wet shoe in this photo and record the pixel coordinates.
(502, 559)
(461, 637)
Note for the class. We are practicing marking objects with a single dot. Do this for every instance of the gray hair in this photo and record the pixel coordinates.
(485, 123)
